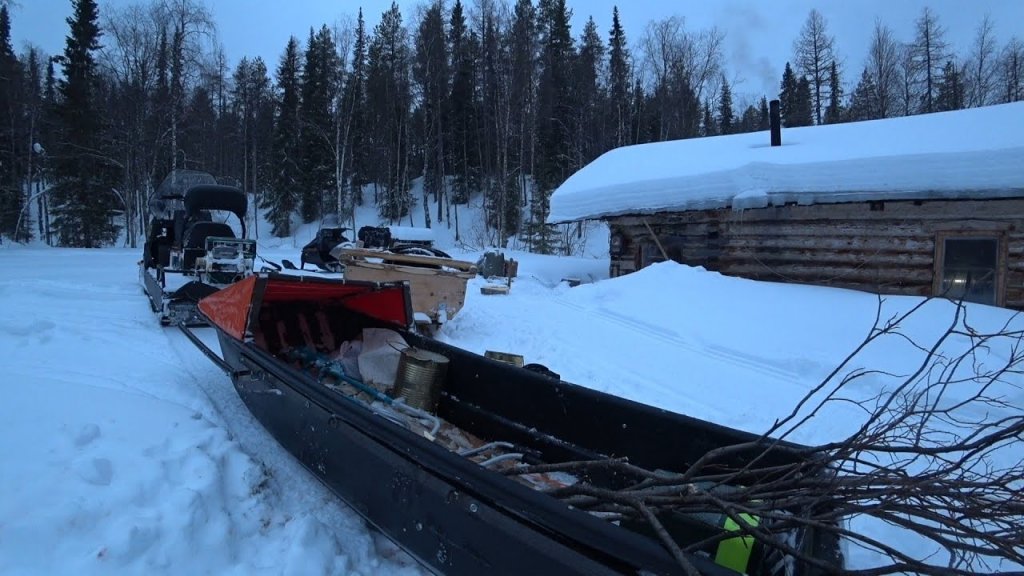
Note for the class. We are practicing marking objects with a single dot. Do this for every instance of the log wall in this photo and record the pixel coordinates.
(884, 247)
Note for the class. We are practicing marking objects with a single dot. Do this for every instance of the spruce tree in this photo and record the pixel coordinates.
(764, 120)
(430, 71)
(803, 103)
(725, 111)
(353, 116)
(554, 120)
(522, 46)
(749, 120)
(462, 111)
(589, 94)
(389, 99)
(708, 125)
(863, 103)
(834, 111)
(788, 97)
(11, 197)
(199, 132)
(283, 196)
(619, 104)
(84, 203)
(317, 121)
(951, 89)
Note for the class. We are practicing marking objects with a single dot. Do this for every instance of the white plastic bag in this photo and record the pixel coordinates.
(378, 360)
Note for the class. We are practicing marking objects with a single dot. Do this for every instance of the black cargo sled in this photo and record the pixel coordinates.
(188, 254)
(472, 465)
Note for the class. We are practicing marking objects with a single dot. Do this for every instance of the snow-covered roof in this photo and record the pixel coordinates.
(975, 153)
(411, 234)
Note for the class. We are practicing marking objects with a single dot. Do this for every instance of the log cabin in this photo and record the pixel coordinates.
(920, 205)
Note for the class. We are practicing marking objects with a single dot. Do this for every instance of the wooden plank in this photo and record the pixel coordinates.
(831, 257)
(829, 274)
(863, 243)
(354, 253)
(427, 291)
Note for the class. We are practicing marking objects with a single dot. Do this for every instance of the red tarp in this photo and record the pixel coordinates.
(229, 308)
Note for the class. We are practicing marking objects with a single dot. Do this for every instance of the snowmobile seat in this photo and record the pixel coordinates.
(195, 239)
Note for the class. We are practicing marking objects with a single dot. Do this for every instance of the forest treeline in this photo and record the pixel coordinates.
(498, 100)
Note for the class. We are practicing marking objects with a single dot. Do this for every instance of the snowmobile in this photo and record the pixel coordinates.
(188, 254)
(318, 250)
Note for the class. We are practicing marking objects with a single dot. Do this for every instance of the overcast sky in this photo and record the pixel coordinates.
(759, 34)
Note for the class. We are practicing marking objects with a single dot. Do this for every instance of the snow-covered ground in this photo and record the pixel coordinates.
(125, 450)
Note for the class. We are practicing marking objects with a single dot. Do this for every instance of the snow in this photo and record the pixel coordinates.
(964, 154)
(410, 234)
(126, 450)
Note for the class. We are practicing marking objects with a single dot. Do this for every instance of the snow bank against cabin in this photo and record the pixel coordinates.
(963, 154)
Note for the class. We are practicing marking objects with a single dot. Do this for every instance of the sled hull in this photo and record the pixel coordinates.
(454, 515)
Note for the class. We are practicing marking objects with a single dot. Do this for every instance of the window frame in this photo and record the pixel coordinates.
(971, 234)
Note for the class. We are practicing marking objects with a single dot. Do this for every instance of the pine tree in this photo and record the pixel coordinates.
(787, 97)
(863, 103)
(84, 203)
(834, 112)
(725, 111)
(951, 89)
(618, 83)
(764, 115)
(11, 197)
(283, 196)
(431, 74)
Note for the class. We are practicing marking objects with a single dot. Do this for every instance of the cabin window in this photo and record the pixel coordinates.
(969, 269)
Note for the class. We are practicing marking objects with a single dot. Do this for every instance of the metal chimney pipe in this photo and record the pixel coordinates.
(776, 123)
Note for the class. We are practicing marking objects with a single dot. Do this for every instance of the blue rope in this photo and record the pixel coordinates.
(311, 358)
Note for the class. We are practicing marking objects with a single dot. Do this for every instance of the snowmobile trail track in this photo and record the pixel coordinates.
(285, 474)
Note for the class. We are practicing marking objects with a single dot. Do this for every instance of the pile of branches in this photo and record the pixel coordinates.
(938, 455)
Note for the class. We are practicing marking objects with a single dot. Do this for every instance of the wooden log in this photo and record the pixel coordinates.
(356, 253)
